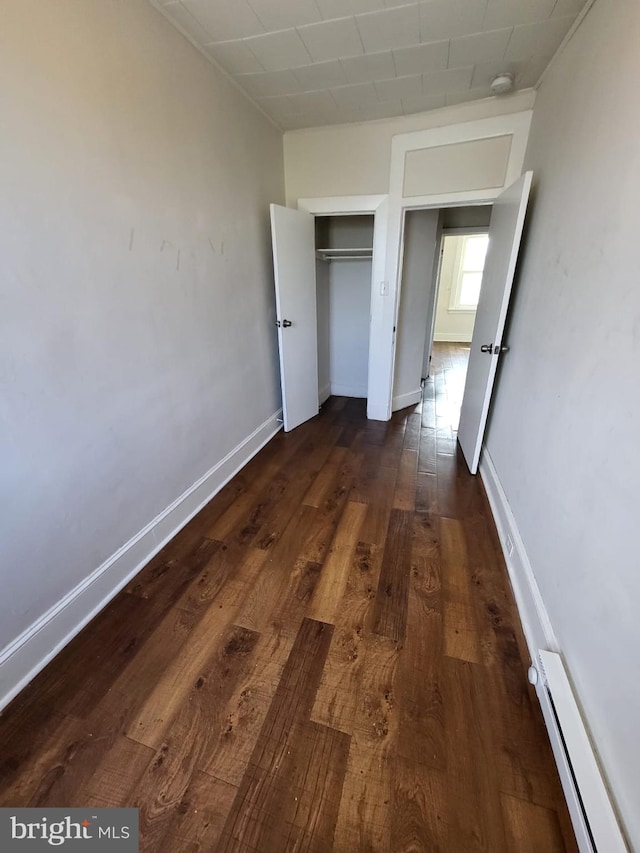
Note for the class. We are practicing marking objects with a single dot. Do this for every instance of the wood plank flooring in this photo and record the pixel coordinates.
(327, 658)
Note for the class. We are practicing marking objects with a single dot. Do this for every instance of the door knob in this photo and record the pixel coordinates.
(486, 348)
(286, 324)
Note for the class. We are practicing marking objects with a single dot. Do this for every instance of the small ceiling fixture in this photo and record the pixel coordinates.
(502, 83)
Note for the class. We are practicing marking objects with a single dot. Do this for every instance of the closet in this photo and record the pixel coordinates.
(344, 251)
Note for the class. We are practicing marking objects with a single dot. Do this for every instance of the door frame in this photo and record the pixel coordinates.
(515, 125)
(434, 284)
(376, 205)
(436, 272)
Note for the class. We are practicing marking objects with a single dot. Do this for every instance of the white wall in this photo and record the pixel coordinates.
(350, 295)
(137, 320)
(417, 296)
(349, 232)
(477, 216)
(566, 418)
(354, 159)
(451, 325)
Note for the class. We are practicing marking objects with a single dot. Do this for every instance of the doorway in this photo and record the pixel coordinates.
(442, 263)
(508, 212)
(458, 287)
(462, 254)
(316, 351)
(323, 268)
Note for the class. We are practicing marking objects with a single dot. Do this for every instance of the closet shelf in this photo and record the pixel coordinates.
(344, 254)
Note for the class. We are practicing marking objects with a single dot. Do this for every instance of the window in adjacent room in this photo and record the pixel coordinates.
(470, 258)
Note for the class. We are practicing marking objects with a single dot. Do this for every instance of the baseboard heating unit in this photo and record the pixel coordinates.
(592, 814)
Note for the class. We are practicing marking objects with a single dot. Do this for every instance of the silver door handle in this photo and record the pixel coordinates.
(286, 324)
(486, 348)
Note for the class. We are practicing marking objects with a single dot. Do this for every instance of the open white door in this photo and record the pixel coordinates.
(293, 239)
(505, 232)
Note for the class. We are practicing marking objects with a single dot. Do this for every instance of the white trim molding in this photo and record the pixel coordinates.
(30, 652)
(341, 205)
(535, 620)
(411, 398)
(338, 390)
(515, 125)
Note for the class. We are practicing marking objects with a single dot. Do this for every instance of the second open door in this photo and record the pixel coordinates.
(505, 234)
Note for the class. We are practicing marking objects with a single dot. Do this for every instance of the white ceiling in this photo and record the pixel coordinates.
(317, 62)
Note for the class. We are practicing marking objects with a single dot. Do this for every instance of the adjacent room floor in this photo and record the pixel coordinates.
(327, 658)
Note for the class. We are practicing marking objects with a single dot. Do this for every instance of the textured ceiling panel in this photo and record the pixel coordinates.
(315, 62)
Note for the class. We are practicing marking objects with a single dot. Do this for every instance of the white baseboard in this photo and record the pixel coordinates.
(452, 338)
(23, 658)
(404, 400)
(348, 390)
(533, 613)
(324, 394)
(584, 792)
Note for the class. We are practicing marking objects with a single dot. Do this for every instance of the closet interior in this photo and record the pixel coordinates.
(344, 251)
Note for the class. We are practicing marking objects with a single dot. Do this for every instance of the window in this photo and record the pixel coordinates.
(472, 251)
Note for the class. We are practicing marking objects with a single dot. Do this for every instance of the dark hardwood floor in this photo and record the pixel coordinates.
(328, 657)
